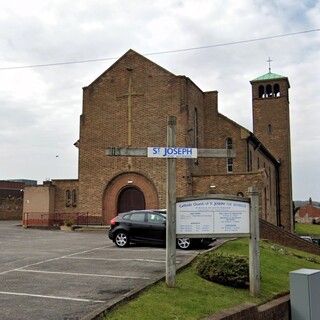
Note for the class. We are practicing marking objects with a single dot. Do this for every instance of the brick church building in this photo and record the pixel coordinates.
(128, 106)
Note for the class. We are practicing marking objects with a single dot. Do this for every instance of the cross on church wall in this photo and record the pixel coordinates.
(130, 94)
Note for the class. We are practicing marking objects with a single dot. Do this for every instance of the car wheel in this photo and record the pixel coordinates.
(184, 243)
(122, 239)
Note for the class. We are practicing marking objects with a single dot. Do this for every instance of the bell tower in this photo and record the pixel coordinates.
(271, 125)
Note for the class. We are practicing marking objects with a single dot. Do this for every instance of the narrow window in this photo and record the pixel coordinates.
(229, 143)
(270, 187)
(229, 146)
(68, 198)
(74, 198)
(229, 164)
(258, 163)
(269, 91)
(276, 90)
(261, 91)
(269, 128)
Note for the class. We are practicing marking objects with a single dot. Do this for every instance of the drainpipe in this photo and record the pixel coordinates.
(278, 197)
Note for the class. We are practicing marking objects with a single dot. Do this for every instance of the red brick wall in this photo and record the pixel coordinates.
(104, 124)
(236, 183)
(11, 204)
(11, 185)
(275, 111)
(283, 237)
(124, 180)
(158, 94)
(277, 309)
(60, 200)
(11, 208)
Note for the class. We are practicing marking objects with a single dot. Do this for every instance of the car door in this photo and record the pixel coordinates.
(138, 226)
(156, 227)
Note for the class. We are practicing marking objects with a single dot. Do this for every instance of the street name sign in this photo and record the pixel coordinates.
(172, 152)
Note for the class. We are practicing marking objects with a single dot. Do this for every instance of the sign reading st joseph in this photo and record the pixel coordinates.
(172, 152)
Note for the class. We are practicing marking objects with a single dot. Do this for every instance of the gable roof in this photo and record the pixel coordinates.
(128, 53)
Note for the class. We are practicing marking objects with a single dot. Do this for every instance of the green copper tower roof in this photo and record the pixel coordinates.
(269, 76)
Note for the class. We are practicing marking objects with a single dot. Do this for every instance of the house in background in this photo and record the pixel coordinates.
(309, 213)
(11, 198)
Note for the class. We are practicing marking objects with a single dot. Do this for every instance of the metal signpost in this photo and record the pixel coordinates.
(171, 153)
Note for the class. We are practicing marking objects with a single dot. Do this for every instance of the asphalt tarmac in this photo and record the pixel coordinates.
(52, 274)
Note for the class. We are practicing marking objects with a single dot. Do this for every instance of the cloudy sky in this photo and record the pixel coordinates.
(219, 44)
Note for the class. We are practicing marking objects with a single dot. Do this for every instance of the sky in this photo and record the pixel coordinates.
(51, 49)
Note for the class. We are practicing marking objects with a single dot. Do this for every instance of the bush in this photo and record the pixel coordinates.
(68, 223)
(230, 270)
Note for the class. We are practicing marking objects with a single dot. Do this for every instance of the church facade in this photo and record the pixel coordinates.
(128, 106)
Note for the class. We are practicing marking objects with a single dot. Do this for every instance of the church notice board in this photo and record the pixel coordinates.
(211, 217)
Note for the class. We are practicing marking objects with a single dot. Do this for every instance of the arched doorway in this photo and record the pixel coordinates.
(137, 186)
(131, 198)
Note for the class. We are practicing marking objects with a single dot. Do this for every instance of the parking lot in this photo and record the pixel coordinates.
(51, 274)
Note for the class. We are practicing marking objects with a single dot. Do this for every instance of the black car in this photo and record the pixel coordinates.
(146, 226)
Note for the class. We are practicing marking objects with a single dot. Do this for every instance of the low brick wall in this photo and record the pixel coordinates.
(278, 309)
(245, 311)
(280, 236)
(11, 208)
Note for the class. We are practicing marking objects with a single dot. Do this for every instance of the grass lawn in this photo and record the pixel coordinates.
(307, 229)
(195, 298)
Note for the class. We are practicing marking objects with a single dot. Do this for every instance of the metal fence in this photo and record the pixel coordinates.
(58, 219)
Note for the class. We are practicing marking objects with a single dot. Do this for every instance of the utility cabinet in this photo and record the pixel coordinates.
(305, 294)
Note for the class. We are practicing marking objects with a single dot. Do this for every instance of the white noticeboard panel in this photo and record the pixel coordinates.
(212, 216)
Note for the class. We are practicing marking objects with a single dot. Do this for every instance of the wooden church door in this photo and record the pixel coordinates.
(131, 199)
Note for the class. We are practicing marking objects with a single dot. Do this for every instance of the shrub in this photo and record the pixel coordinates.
(68, 223)
(230, 270)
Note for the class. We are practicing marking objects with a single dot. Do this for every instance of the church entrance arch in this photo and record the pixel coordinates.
(128, 191)
(131, 198)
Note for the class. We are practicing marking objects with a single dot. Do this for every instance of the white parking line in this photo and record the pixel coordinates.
(49, 297)
(86, 251)
(134, 250)
(82, 274)
(106, 259)
(180, 252)
(49, 260)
